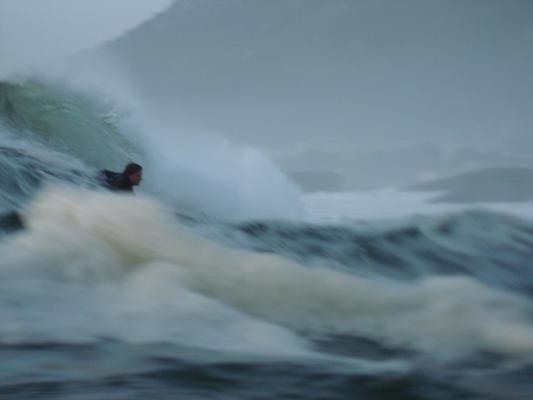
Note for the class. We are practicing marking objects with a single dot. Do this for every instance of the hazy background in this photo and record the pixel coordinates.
(41, 33)
(359, 93)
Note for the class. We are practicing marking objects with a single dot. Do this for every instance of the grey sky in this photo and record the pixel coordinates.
(37, 32)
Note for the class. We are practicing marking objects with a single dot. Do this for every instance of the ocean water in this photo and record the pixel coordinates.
(218, 280)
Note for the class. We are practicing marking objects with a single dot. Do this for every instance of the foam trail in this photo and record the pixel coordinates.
(59, 264)
(444, 316)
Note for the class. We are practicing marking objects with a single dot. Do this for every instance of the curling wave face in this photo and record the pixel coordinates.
(210, 177)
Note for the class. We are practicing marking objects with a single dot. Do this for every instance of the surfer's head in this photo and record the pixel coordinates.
(134, 173)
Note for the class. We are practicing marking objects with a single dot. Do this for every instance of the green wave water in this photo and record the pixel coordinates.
(66, 122)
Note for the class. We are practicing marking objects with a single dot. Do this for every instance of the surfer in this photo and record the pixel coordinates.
(121, 181)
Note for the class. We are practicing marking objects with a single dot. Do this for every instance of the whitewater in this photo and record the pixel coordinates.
(219, 279)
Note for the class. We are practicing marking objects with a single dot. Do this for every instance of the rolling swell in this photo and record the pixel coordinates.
(492, 247)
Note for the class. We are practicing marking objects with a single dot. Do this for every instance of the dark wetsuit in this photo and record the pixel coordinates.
(115, 181)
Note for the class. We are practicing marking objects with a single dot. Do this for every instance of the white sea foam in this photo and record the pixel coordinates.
(95, 264)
